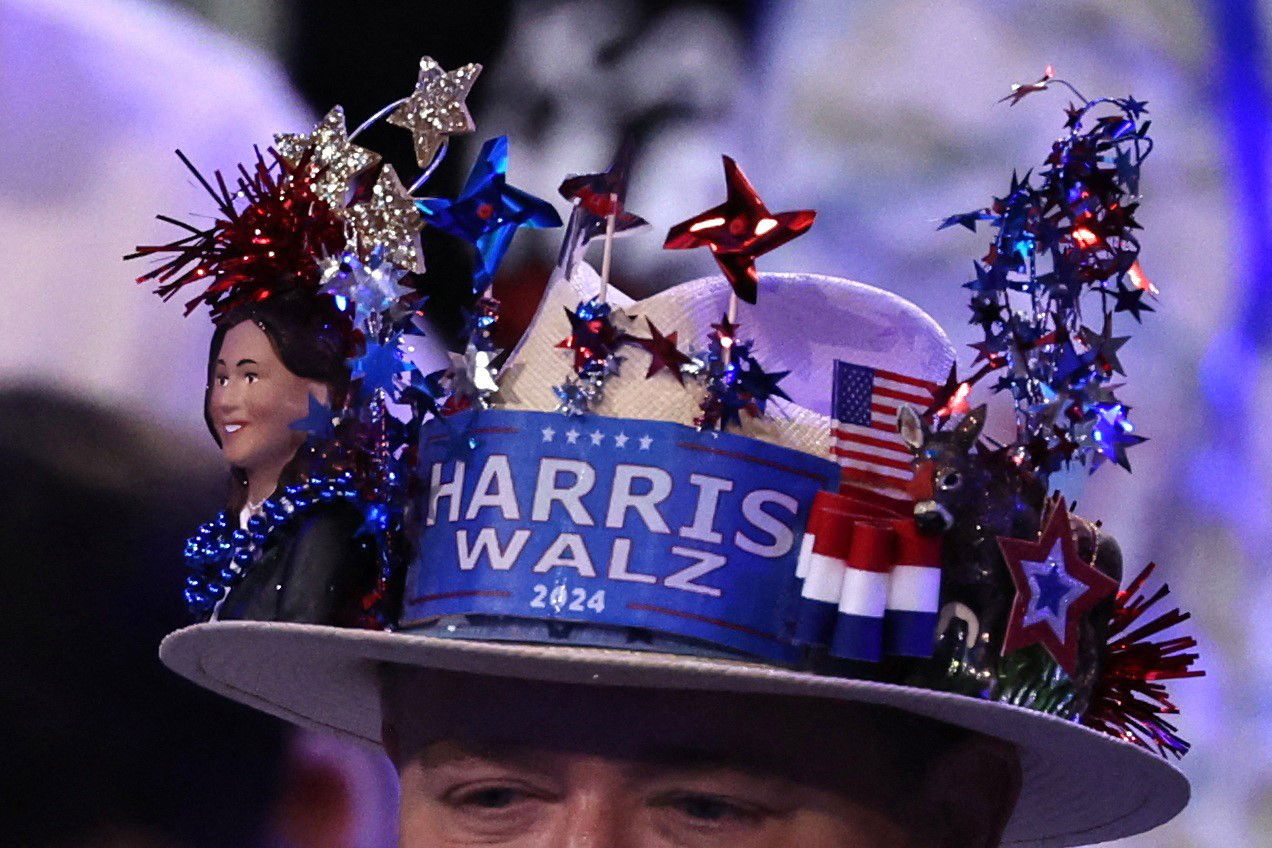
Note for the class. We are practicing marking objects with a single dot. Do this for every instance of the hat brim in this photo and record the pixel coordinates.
(1080, 786)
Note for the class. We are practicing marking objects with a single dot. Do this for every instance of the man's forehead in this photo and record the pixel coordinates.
(803, 737)
(500, 749)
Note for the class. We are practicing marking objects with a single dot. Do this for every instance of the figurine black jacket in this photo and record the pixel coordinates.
(314, 572)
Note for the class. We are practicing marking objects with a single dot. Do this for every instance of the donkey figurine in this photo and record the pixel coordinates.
(972, 494)
(962, 493)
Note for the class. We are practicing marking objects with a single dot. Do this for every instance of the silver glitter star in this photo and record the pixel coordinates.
(436, 108)
(332, 162)
(373, 287)
(578, 395)
(472, 375)
(388, 220)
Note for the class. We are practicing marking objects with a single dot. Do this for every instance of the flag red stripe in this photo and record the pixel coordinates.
(857, 490)
(874, 425)
(883, 410)
(871, 458)
(883, 391)
(871, 441)
(873, 479)
(902, 378)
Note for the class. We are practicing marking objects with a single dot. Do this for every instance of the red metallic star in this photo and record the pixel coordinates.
(1020, 90)
(739, 230)
(1055, 589)
(592, 336)
(602, 194)
(726, 329)
(663, 353)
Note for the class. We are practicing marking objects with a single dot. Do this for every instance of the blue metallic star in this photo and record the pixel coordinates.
(375, 521)
(761, 385)
(318, 422)
(488, 211)
(378, 367)
(987, 279)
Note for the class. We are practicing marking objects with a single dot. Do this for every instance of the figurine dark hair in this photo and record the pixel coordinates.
(312, 338)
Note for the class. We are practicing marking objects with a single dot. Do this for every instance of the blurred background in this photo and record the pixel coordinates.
(881, 115)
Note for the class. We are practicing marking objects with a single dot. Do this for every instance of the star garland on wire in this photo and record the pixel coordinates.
(437, 109)
(328, 156)
(735, 381)
(1064, 243)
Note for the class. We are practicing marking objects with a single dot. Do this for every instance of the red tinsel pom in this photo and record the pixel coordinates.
(268, 238)
(1130, 698)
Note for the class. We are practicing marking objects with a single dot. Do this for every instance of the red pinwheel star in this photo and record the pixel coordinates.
(1055, 588)
(739, 230)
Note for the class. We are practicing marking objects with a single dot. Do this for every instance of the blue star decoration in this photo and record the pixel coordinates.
(1055, 590)
(376, 518)
(1129, 300)
(1107, 434)
(488, 211)
(379, 366)
(319, 422)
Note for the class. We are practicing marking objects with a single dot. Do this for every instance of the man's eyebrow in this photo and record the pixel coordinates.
(503, 753)
(528, 756)
(243, 362)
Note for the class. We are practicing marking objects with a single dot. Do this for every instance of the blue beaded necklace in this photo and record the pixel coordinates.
(219, 555)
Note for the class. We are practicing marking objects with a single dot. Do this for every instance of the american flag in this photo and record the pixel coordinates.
(864, 437)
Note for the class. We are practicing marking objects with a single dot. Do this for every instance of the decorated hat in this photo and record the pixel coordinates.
(750, 482)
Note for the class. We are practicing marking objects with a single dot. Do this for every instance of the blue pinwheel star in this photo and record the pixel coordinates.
(488, 211)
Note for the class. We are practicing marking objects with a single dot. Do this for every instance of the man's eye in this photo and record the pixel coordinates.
(251, 377)
(710, 808)
(491, 797)
(222, 380)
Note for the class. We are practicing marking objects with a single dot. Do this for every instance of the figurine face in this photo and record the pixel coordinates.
(253, 402)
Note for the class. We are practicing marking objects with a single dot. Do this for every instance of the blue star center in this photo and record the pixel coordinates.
(1051, 590)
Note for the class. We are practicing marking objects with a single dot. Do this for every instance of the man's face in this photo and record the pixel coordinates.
(517, 764)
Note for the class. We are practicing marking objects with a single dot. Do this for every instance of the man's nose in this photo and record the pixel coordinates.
(600, 811)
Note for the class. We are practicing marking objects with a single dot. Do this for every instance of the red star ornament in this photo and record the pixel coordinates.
(1055, 589)
(663, 353)
(739, 230)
